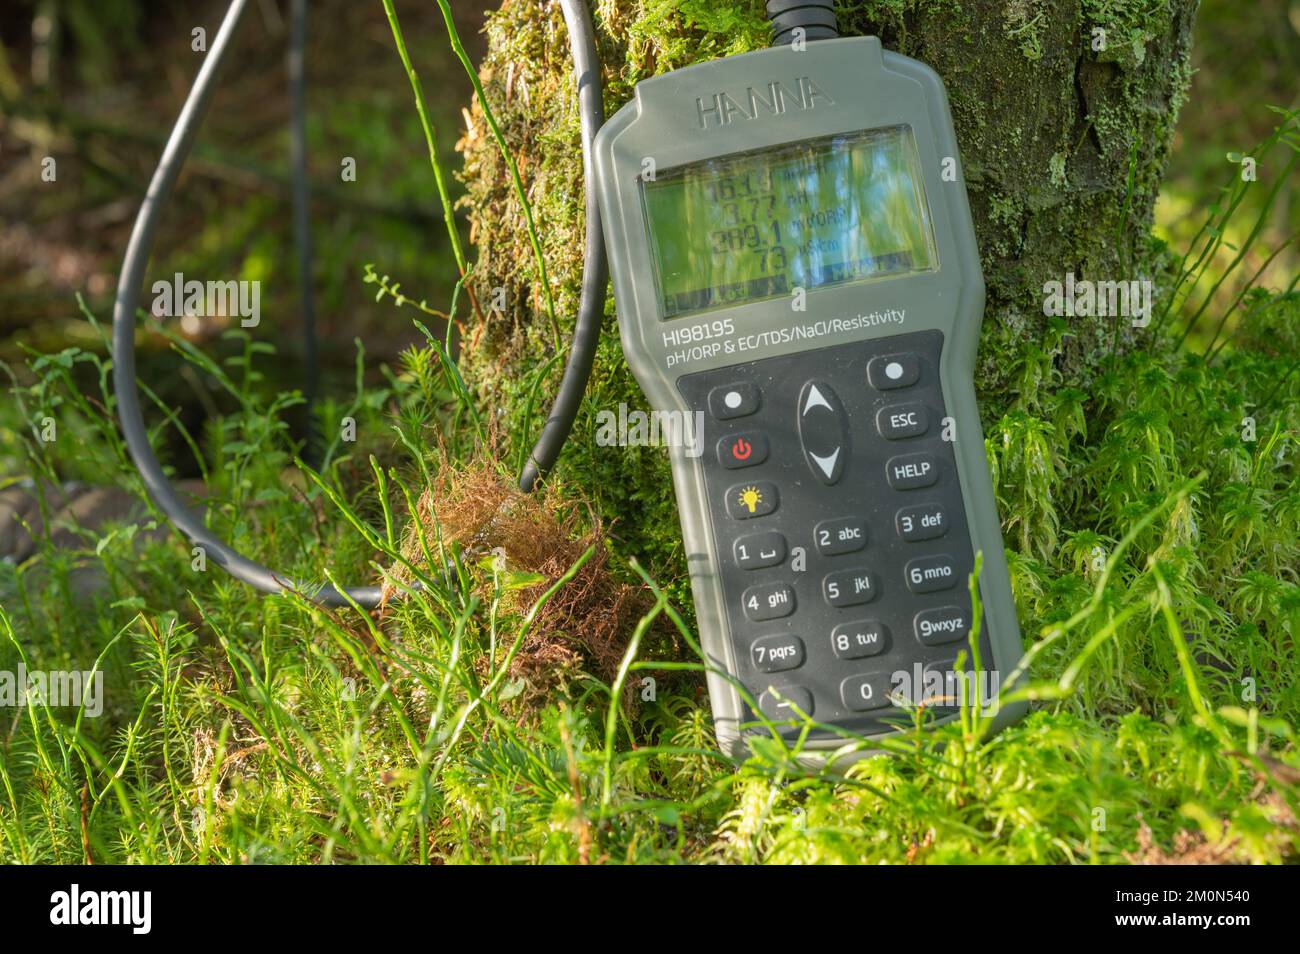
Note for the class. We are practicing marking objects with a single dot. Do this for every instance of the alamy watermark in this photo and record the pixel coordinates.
(192, 299)
(58, 688)
(628, 428)
(946, 688)
(1089, 299)
(133, 909)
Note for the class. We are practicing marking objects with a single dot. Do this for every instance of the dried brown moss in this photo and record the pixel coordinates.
(585, 626)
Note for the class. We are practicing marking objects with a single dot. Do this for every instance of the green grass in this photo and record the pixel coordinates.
(1153, 536)
(1153, 554)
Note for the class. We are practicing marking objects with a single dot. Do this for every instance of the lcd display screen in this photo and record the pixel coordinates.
(757, 225)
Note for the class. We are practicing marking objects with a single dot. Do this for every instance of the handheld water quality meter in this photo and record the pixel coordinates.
(790, 263)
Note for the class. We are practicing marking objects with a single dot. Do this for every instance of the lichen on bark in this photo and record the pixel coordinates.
(1064, 111)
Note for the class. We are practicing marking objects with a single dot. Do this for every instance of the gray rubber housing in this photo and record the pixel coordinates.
(867, 88)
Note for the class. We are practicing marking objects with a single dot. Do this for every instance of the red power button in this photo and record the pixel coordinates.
(742, 450)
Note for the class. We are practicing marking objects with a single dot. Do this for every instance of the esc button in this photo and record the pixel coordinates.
(897, 421)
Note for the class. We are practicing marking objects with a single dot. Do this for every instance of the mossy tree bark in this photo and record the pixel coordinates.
(1064, 109)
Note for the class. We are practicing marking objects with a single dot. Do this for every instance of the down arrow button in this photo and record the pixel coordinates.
(822, 431)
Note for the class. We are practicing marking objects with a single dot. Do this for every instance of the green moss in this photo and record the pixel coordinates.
(1128, 28)
(1056, 169)
(1026, 24)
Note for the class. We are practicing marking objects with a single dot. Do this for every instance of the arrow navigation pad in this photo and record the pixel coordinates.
(822, 431)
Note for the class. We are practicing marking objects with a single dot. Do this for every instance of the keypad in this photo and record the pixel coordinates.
(866, 692)
(940, 685)
(922, 522)
(849, 587)
(756, 499)
(898, 421)
(754, 551)
(823, 431)
(889, 371)
(742, 450)
(858, 639)
(929, 574)
(778, 710)
(842, 535)
(912, 471)
(837, 524)
(738, 399)
(947, 624)
(777, 653)
(768, 601)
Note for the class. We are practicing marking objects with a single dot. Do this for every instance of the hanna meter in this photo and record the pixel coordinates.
(791, 263)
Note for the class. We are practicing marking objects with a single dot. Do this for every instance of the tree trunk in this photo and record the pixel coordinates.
(1065, 111)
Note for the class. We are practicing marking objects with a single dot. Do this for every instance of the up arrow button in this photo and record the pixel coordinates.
(812, 399)
(822, 431)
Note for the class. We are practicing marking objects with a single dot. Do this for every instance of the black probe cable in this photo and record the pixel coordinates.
(138, 248)
(136, 260)
(595, 271)
(815, 17)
